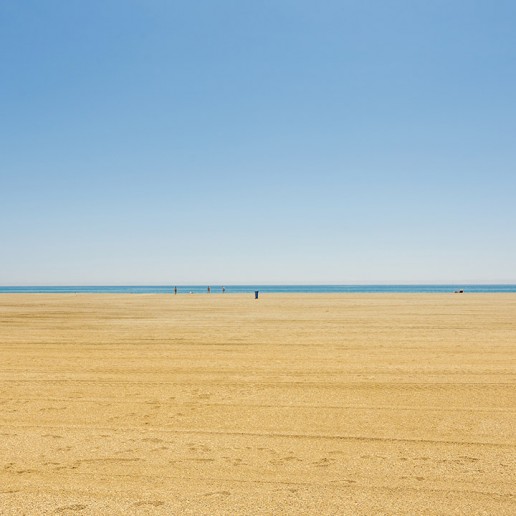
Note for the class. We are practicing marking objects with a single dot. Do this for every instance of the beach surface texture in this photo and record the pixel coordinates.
(289, 404)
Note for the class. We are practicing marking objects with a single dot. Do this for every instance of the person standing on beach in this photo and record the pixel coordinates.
(209, 290)
(175, 290)
(223, 290)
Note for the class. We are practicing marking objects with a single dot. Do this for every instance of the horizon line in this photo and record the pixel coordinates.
(299, 284)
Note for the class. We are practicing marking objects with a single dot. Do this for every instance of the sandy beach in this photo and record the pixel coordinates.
(220, 404)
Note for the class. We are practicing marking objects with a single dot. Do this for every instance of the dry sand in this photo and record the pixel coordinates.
(306, 404)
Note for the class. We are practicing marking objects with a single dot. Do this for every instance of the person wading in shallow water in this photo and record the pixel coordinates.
(175, 290)
(209, 290)
(223, 290)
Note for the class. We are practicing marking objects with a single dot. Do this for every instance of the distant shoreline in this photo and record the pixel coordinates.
(264, 289)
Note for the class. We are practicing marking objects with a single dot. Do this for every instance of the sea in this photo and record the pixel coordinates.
(265, 289)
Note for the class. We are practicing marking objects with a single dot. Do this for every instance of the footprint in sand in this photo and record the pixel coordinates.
(153, 503)
(324, 462)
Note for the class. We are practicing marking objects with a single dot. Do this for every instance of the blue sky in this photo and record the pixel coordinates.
(158, 142)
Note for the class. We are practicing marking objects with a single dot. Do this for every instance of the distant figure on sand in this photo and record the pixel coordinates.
(175, 290)
(223, 290)
(209, 290)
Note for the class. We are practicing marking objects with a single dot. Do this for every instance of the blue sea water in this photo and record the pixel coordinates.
(241, 289)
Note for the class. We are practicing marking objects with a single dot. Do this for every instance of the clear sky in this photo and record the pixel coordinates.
(280, 141)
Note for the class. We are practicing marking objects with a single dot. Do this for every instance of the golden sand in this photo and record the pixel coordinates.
(306, 404)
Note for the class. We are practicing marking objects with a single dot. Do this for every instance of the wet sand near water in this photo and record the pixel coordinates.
(291, 404)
